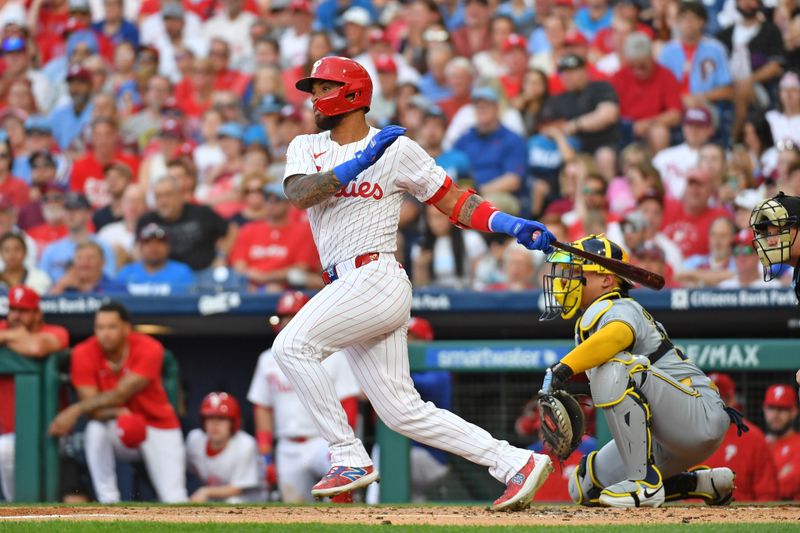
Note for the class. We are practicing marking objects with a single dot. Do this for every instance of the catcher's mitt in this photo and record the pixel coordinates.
(563, 424)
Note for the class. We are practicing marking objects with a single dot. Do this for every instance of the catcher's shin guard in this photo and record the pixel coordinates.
(584, 489)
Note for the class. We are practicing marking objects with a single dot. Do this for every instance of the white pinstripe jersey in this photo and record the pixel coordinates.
(363, 216)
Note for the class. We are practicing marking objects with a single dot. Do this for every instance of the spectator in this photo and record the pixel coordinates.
(455, 162)
(760, 146)
(637, 180)
(424, 27)
(70, 119)
(176, 39)
(117, 374)
(384, 104)
(184, 172)
(593, 17)
(165, 146)
(295, 39)
(720, 263)
(140, 126)
(224, 457)
(474, 36)
(519, 267)
(162, 26)
(52, 227)
(673, 163)
(14, 253)
(117, 177)
(17, 61)
(355, 22)
(712, 158)
(43, 179)
(588, 109)
(445, 256)
(651, 205)
(275, 253)
(121, 235)
(497, 155)
(155, 274)
(254, 203)
(515, 61)
(591, 207)
(780, 415)
(749, 274)
(220, 184)
(489, 63)
(651, 257)
(24, 332)
(197, 235)
(433, 83)
(531, 98)
(225, 77)
(687, 221)
(57, 257)
(230, 25)
(12, 189)
(459, 74)
(39, 138)
(698, 63)
(756, 58)
(85, 273)
(88, 173)
(747, 453)
(114, 26)
(647, 119)
(784, 122)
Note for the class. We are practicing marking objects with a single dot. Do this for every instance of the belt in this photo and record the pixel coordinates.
(298, 439)
(329, 275)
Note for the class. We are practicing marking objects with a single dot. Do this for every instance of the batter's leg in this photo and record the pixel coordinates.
(99, 444)
(7, 465)
(365, 303)
(382, 369)
(165, 459)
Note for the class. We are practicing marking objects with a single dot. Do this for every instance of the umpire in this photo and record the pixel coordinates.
(775, 223)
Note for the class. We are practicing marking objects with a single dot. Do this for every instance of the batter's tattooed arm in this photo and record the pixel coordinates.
(310, 189)
(472, 203)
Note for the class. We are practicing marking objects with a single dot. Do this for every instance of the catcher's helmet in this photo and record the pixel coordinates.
(772, 221)
(355, 93)
(564, 285)
(223, 405)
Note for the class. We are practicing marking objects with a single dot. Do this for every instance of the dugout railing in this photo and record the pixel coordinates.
(774, 359)
(38, 383)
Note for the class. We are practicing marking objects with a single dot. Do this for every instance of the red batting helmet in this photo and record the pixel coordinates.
(223, 405)
(356, 80)
(420, 328)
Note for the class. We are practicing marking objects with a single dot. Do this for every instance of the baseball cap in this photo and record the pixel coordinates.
(38, 124)
(173, 10)
(231, 129)
(13, 44)
(565, 3)
(790, 80)
(484, 93)
(274, 189)
(152, 231)
(420, 328)
(291, 113)
(79, 6)
(271, 104)
(358, 16)
(649, 250)
(571, 62)
(697, 116)
(747, 199)
(724, 383)
(575, 38)
(385, 63)
(377, 35)
(300, 5)
(22, 297)
(171, 128)
(435, 111)
(782, 396)
(636, 220)
(419, 101)
(514, 41)
(76, 200)
(78, 72)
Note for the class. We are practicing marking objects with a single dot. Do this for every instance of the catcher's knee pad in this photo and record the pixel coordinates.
(612, 381)
(584, 489)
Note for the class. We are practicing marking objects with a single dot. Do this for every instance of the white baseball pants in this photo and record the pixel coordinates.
(299, 466)
(163, 453)
(365, 314)
(7, 465)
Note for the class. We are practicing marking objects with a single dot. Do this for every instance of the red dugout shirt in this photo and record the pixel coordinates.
(786, 452)
(7, 382)
(90, 368)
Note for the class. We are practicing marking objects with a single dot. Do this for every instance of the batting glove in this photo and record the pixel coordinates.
(523, 231)
(363, 159)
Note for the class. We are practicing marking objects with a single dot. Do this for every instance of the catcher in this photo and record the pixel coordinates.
(663, 413)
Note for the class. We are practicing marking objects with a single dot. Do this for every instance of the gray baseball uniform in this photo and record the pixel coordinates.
(661, 409)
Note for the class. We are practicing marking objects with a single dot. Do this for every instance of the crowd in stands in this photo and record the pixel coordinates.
(143, 142)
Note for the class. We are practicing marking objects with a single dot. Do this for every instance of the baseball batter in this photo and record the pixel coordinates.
(662, 411)
(224, 457)
(302, 454)
(352, 178)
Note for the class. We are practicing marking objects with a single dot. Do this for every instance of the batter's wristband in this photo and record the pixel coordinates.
(347, 171)
(482, 216)
(264, 441)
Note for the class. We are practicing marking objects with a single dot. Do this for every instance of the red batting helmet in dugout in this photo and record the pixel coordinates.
(355, 93)
(223, 405)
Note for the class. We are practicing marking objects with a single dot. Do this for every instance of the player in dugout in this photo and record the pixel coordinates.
(662, 411)
(24, 332)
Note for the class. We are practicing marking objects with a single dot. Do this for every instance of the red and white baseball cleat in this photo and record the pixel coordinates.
(341, 479)
(521, 489)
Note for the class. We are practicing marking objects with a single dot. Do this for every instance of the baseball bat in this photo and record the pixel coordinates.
(626, 270)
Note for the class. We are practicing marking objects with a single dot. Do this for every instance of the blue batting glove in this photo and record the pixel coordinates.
(523, 231)
(363, 159)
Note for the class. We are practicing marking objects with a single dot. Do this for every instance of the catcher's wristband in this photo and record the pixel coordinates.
(561, 373)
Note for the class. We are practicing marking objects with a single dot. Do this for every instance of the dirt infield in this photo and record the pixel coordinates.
(402, 515)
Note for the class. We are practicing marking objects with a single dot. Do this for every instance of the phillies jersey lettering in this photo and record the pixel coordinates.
(363, 216)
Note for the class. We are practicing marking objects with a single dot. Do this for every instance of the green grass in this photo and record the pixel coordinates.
(61, 526)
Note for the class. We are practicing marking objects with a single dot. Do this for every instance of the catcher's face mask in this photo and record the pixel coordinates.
(563, 286)
(772, 227)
